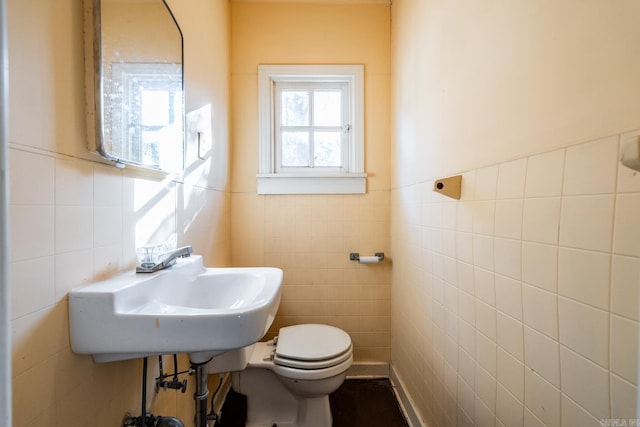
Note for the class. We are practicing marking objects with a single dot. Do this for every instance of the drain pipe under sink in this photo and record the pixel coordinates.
(201, 394)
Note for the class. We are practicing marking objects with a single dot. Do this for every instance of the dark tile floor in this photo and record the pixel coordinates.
(357, 403)
(366, 403)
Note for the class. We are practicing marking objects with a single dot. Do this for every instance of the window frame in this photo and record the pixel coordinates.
(352, 178)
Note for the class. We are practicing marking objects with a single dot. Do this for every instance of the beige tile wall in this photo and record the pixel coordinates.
(310, 238)
(518, 304)
(73, 222)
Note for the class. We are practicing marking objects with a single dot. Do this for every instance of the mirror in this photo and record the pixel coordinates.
(136, 82)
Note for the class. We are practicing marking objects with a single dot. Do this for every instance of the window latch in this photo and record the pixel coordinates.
(346, 128)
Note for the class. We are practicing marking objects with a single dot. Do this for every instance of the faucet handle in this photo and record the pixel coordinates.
(148, 255)
(187, 251)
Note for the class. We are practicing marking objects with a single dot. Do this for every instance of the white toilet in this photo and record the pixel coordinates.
(288, 380)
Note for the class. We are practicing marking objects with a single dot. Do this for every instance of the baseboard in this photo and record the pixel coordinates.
(406, 403)
(369, 370)
(357, 370)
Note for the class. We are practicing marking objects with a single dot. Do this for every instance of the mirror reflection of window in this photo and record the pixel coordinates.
(141, 116)
(153, 107)
(147, 114)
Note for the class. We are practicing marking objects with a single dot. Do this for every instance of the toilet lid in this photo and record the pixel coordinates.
(311, 342)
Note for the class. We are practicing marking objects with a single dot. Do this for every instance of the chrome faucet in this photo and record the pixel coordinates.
(166, 260)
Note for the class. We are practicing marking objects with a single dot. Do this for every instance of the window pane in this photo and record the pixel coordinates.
(327, 108)
(295, 149)
(295, 108)
(155, 108)
(150, 148)
(327, 149)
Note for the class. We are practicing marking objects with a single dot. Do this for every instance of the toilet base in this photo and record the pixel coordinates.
(269, 402)
(314, 412)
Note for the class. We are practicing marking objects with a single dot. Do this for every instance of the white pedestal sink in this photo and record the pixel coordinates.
(186, 308)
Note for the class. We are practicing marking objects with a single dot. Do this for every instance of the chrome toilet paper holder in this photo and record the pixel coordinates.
(355, 256)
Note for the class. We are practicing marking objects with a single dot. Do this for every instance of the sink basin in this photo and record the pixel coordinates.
(186, 308)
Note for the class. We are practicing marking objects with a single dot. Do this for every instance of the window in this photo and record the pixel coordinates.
(311, 129)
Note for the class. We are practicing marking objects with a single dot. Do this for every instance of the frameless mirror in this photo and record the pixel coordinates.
(136, 90)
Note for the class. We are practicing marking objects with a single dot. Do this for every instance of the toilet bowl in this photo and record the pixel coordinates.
(288, 380)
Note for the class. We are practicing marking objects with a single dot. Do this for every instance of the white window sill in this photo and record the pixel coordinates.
(352, 183)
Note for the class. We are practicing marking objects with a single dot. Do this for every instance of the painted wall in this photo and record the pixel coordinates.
(75, 219)
(518, 304)
(310, 237)
(492, 81)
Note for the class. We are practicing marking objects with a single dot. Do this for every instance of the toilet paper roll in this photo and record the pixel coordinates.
(368, 260)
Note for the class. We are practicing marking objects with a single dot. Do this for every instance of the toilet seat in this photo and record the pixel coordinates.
(312, 346)
(319, 364)
(297, 374)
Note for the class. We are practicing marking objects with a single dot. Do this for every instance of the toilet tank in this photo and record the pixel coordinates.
(230, 361)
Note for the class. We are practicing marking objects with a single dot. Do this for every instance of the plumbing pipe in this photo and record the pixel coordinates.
(143, 416)
(201, 394)
(5, 296)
